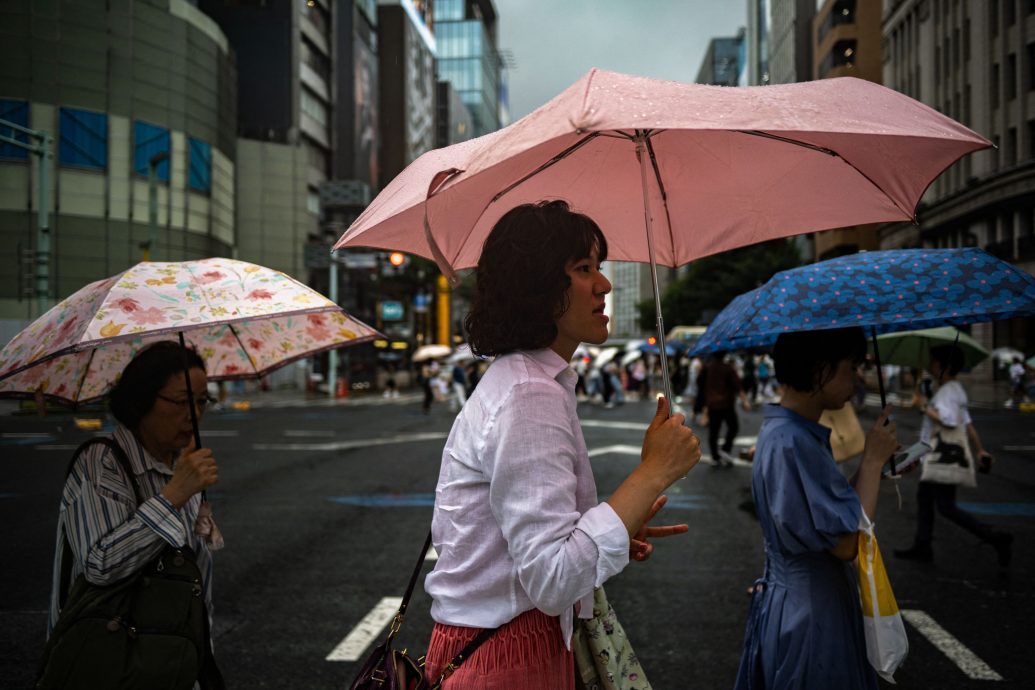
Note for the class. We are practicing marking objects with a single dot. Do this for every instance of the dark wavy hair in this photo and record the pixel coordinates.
(950, 356)
(147, 373)
(521, 286)
(807, 360)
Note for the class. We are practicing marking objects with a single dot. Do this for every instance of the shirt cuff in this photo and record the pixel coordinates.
(602, 524)
(160, 515)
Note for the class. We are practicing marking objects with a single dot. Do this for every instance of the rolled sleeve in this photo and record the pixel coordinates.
(607, 531)
(160, 515)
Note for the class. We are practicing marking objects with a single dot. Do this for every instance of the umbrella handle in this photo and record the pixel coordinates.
(880, 382)
(190, 399)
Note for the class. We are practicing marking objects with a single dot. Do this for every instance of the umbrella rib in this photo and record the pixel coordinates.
(82, 379)
(829, 152)
(556, 159)
(238, 338)
(664, 195)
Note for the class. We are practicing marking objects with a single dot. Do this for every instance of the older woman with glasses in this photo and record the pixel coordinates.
(111, 536)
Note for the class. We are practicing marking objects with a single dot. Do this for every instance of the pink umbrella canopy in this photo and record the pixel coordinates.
(244, 320)
(729, 167)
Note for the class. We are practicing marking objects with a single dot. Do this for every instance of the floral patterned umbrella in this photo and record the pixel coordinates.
(244, 320)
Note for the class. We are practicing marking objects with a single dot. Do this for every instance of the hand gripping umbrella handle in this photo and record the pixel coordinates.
(190, 399)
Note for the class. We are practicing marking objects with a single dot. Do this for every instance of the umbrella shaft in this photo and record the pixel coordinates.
(641, 155)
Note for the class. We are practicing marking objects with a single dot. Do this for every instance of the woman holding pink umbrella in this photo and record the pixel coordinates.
(521, 536)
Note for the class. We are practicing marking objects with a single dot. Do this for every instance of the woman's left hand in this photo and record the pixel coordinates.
(640, 548)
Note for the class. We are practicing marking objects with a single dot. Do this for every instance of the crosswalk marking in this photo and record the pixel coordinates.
(366, 631)
(968, 661)
(348, 445)
(301, 433)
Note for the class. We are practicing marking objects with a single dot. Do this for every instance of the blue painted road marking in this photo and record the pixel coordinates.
(1019, 509)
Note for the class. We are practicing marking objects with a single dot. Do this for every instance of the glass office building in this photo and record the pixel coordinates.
(468, 57)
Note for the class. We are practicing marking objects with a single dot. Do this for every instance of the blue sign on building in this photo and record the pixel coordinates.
(391, 311)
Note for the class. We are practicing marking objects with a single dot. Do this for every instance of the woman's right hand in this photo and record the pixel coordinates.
(195, 471)
(881, 441)
(670, 448)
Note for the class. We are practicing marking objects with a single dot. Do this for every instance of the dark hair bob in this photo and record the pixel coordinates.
(147, 373)
(521, 281)
(806, 360)
(950, 356)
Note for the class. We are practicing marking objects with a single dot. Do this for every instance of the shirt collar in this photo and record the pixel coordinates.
(139, 459)
(774, 411)
(554, 365)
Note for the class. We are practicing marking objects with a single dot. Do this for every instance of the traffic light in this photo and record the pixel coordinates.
(397, 259)
(652, 340)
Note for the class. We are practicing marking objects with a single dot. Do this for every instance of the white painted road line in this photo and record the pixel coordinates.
(303, 433)
(620, 449)
(948, 645)
(1018, 448)
(348, 445)
(603, 423)
(219, 433)
(366, 631)
(26, 434)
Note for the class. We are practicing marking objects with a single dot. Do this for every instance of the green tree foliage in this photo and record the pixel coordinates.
(712, 282)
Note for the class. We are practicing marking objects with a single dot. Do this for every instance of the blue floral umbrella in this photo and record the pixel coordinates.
(885, 291)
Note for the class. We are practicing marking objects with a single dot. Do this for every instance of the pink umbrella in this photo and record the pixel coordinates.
(713, 168)
(244, 320)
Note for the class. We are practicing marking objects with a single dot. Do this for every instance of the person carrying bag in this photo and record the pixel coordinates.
(135, 540)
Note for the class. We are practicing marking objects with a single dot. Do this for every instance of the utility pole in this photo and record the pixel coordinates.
(44, 150)
(151, 245)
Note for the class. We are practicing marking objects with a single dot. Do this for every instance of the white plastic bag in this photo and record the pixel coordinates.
(886, 642)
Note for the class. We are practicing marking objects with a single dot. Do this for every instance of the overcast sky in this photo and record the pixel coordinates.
(554, 42)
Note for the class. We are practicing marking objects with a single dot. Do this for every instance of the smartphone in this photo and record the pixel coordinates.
(907, 458)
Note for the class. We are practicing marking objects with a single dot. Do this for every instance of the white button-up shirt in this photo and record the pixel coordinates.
(517, 522)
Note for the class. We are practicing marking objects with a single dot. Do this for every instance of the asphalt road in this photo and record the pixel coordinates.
(324, 509)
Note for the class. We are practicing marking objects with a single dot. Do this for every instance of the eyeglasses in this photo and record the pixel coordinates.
(199, 403)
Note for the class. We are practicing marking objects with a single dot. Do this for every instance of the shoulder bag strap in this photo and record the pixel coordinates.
(471, 646)
(66, 549)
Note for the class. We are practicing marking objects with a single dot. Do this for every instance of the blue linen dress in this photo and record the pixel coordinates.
(805, 627)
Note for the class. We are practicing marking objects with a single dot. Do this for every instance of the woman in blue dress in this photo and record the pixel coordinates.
(805, 625)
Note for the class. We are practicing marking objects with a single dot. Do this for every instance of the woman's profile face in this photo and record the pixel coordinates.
(167, 424)
(839, 389)
(584, 320)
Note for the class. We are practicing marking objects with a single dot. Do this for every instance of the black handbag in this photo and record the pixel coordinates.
(149, 630)
(389, 669)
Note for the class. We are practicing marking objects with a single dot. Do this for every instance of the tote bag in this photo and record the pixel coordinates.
(950, 460)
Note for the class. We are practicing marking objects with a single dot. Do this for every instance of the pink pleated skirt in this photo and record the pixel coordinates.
(528, 653)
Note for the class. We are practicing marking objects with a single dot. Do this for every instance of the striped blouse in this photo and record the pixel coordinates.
(111, 538)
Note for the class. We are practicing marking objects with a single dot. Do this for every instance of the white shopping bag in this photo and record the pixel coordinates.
(886, 642)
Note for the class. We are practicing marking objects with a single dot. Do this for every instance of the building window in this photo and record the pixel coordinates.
(199, 177)
(1011, 77)
(1011, 146)
(1009, 12)
(994, 151)
(314, 107)
(16, 112)
(83, 140)
(148, 141)
(843, 12)
(1031, 139)
(966, 40)
(312, 202)
(994, 86)
(993, 18)
(1031, 67)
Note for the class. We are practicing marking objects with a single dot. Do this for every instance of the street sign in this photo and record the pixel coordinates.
(421, 302)
(360, 260)
(391, 311)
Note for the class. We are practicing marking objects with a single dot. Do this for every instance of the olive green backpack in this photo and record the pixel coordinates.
(149, 630)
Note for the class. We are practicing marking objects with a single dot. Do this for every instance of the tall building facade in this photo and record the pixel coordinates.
(846, 38)
(975, 62)
(468, 58)
(721, 63)
(790, 44)
(285, 53)
(757, 42)
(121, 87)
